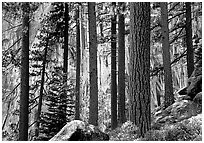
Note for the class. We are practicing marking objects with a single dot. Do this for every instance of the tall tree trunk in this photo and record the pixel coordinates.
(113, 71)
(78, 61)
(41, 91)
(169, 96)
(65, 66)
(140, 65)
(66, 28)
(24, 96)
(93, 106)
(190, 52)
(121, 67)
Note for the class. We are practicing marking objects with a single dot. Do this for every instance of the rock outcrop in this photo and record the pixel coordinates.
(185, 107)
(80, 131)
(194, 85)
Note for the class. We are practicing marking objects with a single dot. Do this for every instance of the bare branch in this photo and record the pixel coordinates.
(4, 52)
(12, 28)
(177, 36)
(174, 6)
(11, 91)
(159, 69)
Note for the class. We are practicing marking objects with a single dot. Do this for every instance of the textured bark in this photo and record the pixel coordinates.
(140, 65)
(121, 67)
(169, 96)
(93, 107)
(190, 52)
(24, 96)
(113, 72)
(78, 60)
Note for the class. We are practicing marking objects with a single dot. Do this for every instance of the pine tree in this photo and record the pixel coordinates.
(24, 97)
(59, 99)
(121, 65)
(169, 96)
(113, 70)
(65, 64)
(55, 117)
(41, 89)
(93, 106)
(78, 60)
(190, 52)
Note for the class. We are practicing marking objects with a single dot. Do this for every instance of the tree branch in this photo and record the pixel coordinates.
(11, 91)
(11, 28)
(177, 36)
(4, 52)
(159, 69)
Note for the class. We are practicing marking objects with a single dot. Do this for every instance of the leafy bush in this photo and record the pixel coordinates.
(127, 132)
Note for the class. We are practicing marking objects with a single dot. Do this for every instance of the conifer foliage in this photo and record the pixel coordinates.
(55, 118)
(60, 106)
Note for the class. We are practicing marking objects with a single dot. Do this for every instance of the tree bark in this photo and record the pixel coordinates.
(66, 28)
(121, 67)
(24, 96)
(169, 96)
(113, 71)
(93, 106)
(190, 52)
(65, 64)
(140, 65)
(78, 61)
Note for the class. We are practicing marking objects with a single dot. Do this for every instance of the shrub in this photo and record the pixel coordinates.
(127, 132)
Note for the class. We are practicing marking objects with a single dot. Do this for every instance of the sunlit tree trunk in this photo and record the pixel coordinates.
(24, 96)
(169, 96)
(140, 65)
(93, 106)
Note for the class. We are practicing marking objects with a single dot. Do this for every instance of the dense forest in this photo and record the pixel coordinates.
(133, 70)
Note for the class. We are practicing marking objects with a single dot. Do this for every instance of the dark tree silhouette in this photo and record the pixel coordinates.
(113, 70)
(190, 52)
(66, 47)
(93, 106)
(121, 66)
(78, 61)
(24, 96)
